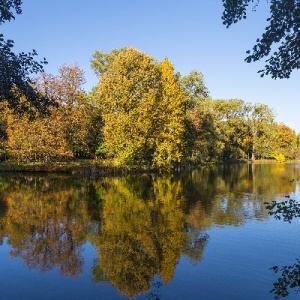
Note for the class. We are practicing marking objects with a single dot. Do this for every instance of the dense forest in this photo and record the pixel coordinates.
(141, 113)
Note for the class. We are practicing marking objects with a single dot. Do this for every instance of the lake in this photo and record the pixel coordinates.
(203, 234)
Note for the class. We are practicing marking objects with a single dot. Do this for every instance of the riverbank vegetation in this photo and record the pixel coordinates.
(142, 114)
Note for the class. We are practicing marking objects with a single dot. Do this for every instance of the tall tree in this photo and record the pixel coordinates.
(229, 117)
(128, 94)
(203, 141)
(259, 119)
(169, 129)
(143, 111)
(283, 27)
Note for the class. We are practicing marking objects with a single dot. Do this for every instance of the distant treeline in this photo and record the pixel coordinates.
(141, 113)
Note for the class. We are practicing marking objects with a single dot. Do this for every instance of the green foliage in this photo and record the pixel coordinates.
(228, 129)
(202, 137)
(194, 89)
(101, 62)
(260, 124)
(283, 27)
(229, 116)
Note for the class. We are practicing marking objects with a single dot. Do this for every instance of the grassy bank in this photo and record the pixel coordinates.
(85, 167)
(82, 167)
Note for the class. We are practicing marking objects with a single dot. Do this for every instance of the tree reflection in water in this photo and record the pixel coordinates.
(140, 225)
(141, 235)
(45, 223)
(290, 275)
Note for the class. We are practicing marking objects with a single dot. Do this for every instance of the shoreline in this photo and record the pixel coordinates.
(95, 167)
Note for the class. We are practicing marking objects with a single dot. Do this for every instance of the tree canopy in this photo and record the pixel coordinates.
(15, 69)
(280, 42)
(142, 108)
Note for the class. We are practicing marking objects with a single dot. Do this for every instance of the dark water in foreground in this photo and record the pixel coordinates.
(199, 235)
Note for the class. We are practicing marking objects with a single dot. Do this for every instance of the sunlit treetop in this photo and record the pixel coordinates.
(280, 43)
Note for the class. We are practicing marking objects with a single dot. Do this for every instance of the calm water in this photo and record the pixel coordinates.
(200, 235)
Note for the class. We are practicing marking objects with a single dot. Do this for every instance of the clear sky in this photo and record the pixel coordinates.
(189, 33)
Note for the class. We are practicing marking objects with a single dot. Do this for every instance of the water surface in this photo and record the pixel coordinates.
(204, 234)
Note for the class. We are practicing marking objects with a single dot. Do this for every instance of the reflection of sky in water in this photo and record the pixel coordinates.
(235, 265)
(297, 191)
(230, 241)
(236, 262)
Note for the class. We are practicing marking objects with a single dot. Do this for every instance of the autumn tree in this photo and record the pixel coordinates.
(36, 140)
(76, 114)
(147, 242)
(283, 29)
(70, 131)
(169, 129)
(202, 135)
(128, 94)
(286, 142)
(196, 97)
(142, 108)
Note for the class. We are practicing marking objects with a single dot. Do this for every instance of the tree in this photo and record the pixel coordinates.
(101, 61)
(196, 95)
(286, 141)
(202, 135)
(170, 119)
(259, 119)
(15, 69)
(143, 111)
(40, 139)
(283, 28)
(194, 89)
(71, 130)
(128, 94)
(229, 117)
(5, 9)
(76, 115)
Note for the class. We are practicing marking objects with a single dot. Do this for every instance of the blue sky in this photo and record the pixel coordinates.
(189, 33)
